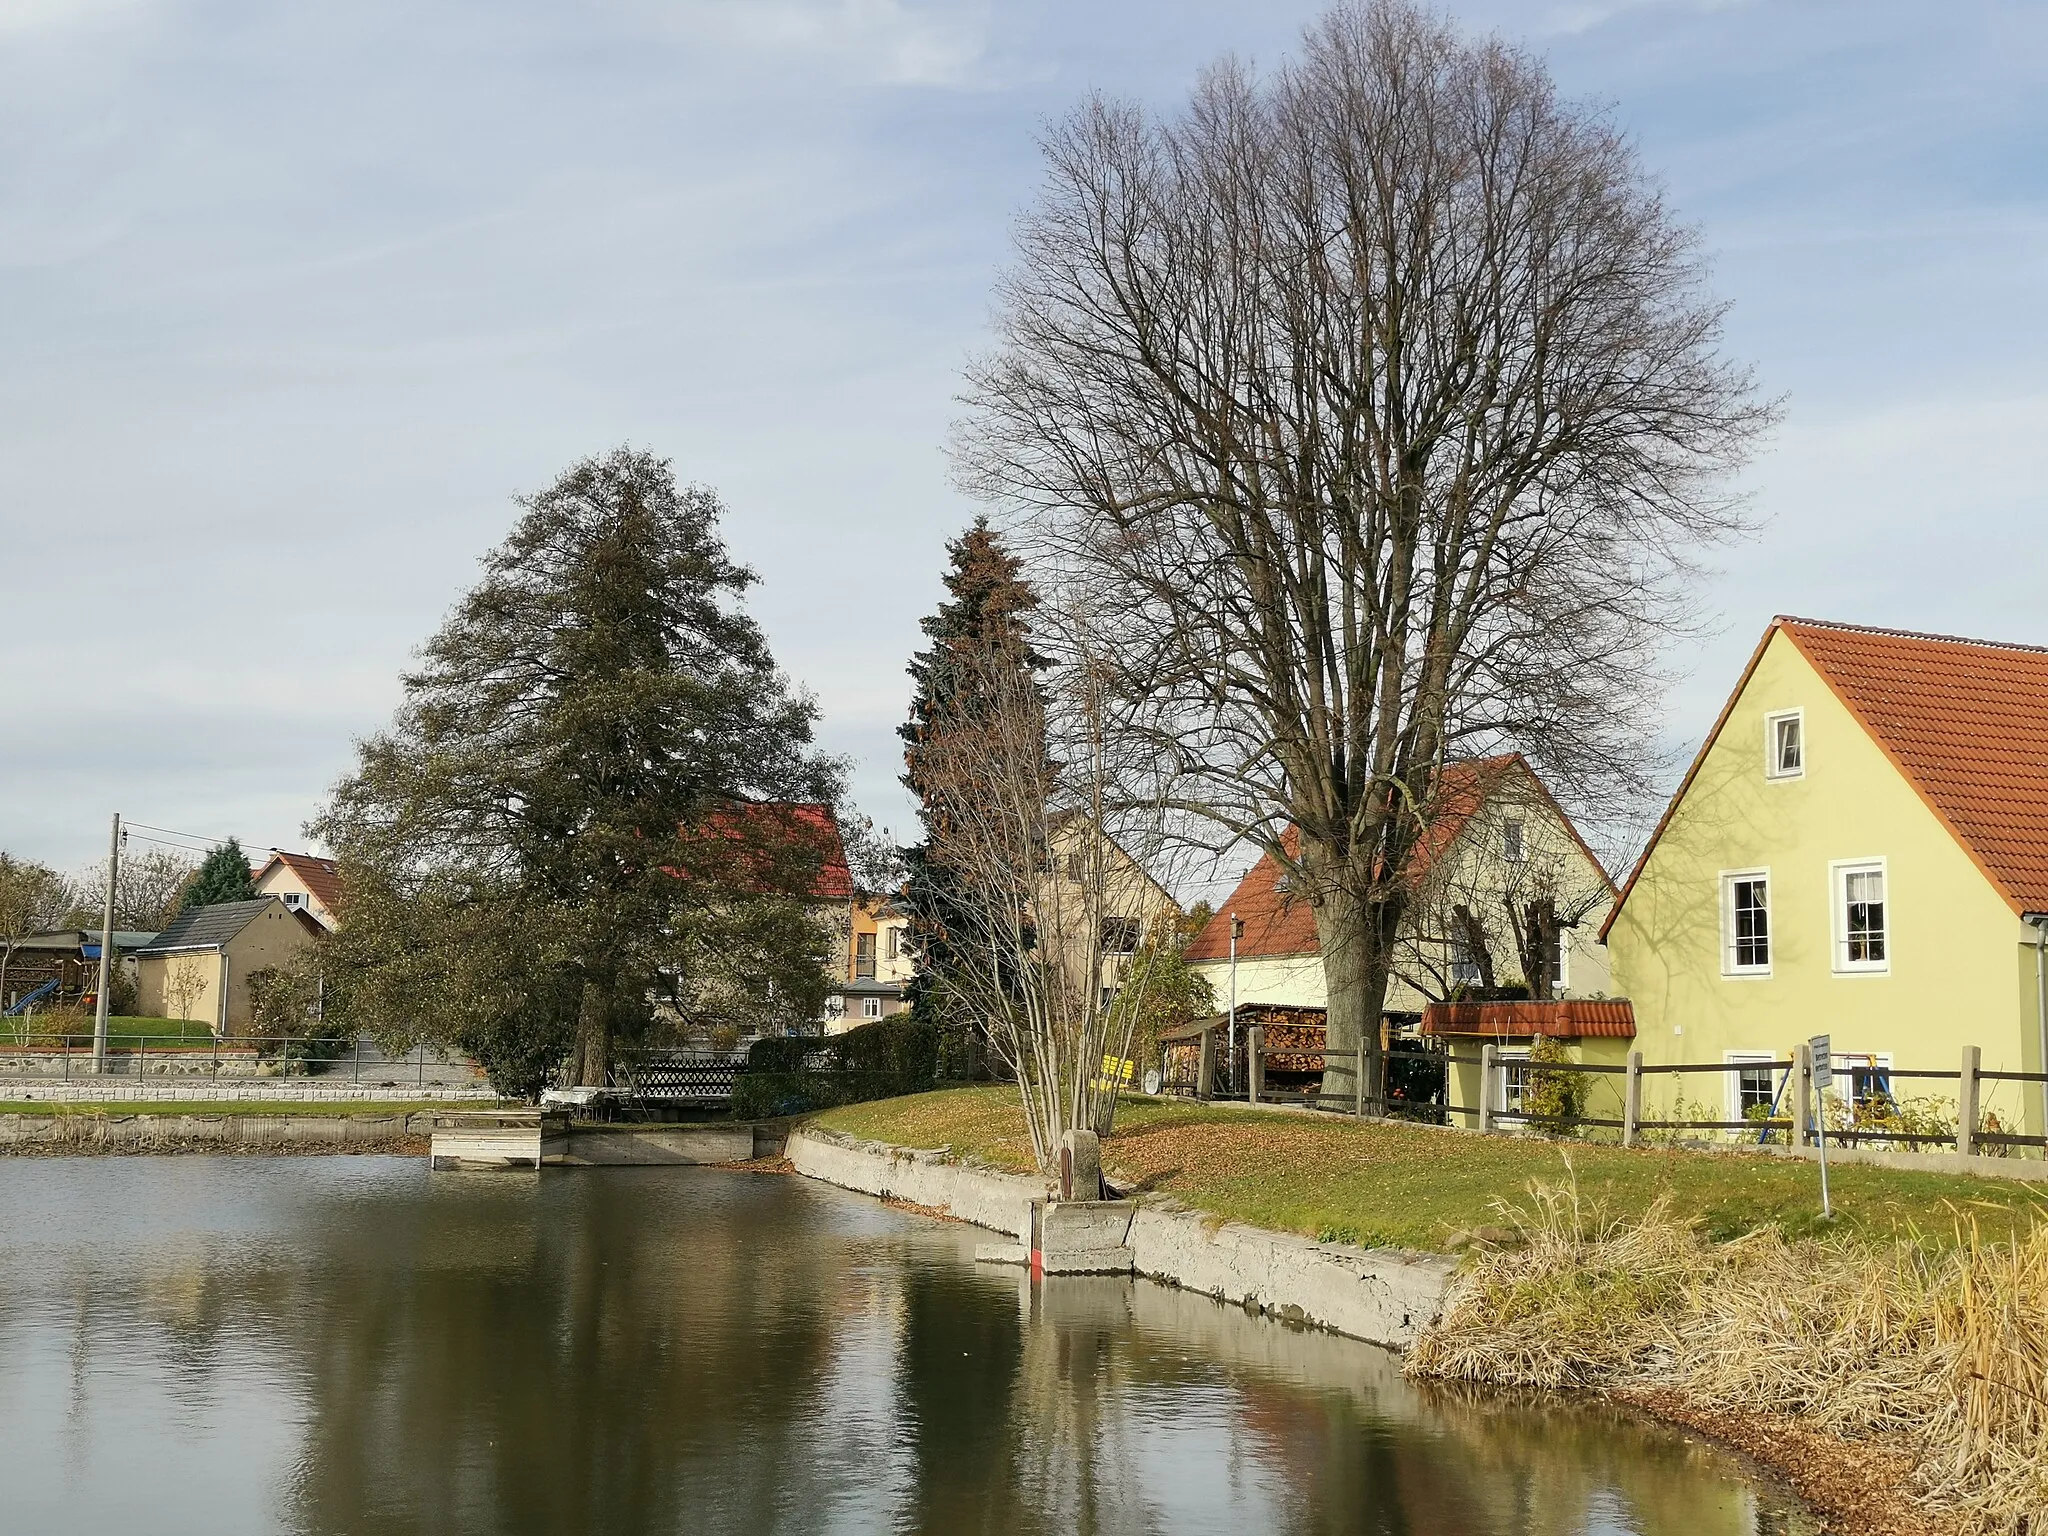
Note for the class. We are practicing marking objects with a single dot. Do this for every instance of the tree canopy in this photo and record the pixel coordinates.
(532, 852)
(223, 876)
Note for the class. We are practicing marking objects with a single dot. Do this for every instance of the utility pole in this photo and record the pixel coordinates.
(99, 1021)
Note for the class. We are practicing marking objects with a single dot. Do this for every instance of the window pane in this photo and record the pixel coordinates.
(1750, 922)
(1754, 1089)
(1787, 744)
(1863, 896)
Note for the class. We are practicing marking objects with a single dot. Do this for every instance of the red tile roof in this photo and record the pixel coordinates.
(1965, 723)
(317, 875)
(808, 827)
(1576, 1018)
(1276, 924)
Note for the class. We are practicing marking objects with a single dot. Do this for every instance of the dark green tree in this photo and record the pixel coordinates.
(592, 763)
(222, 876)
(984, 622)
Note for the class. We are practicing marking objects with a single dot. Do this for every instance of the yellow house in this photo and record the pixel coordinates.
(1860, 849)
(304, 882)
(199, 967)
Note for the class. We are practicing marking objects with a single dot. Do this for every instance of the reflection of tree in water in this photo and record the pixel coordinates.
(956, 1375)
(631, 1360)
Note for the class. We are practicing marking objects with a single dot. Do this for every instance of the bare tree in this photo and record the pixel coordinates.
(1376, 407)
(1493, 905)
(148, 894)
(1045, 844)
(33, 897)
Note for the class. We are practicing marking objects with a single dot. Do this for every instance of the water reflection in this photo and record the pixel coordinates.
(354, 1345)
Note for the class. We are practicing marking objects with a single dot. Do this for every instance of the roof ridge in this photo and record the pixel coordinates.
(1910, 634)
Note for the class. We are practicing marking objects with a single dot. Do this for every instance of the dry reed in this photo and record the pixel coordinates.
(1941, 1350)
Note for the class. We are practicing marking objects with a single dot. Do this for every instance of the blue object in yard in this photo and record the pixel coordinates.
(47, 989)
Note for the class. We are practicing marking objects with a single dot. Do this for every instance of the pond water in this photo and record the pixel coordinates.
(358, 1345)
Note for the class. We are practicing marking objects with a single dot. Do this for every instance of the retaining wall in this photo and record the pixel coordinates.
(163, 1133)
(1380, 1295)
(255, 1090)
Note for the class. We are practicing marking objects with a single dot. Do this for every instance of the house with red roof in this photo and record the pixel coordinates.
(1503, 887)
(304, 882)
(1859, 849)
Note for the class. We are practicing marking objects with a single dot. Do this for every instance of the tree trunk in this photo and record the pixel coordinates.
(1355, 964)
(594, 1036)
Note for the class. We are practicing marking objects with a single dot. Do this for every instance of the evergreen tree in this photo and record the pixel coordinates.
(563, 799)
(984, 618)
(221, 877)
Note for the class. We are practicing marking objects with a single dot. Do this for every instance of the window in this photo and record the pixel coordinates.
(1464, 968)
(1119, 935)
(1751, 1088)
(895, 943)
(294, 898)
(1785, 744)
(1862, 917)
(1511, 841)
(1558, 947)
(1746, 923)
(871, 1007)
(835, 1007)
(1866, 1081)
(863, 957)
(1514, 1081)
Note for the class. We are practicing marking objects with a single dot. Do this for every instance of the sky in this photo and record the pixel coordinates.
(295, 298)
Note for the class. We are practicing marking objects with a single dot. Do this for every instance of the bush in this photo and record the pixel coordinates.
(794, 1074)
(1552, 1098)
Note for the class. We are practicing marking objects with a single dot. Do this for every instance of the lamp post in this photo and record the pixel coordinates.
(1236, 933)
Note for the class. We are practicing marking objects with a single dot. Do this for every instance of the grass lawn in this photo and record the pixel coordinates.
(123, 1033)
(244, 1107)
(1416, 1187)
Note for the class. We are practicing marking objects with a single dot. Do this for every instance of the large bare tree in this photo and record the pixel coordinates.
(1375, 405)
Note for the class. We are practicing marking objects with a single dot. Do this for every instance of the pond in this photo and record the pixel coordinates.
(358, 1345)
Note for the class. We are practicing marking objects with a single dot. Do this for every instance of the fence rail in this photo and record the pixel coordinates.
(334, 1058)
(1789, 1118)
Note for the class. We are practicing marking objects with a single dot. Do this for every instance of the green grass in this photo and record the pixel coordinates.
(123, 1033)
(242, 1107)
(1416, 1187)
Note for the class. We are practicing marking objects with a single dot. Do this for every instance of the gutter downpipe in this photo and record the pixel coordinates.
(2039, 922)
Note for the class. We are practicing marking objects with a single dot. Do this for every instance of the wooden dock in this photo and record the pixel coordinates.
(498, 1138)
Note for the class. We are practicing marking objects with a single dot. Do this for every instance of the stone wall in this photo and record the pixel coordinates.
(1381, 1295)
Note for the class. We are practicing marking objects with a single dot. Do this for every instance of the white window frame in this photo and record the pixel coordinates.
(870, 1009)
(1562, 981)
(1747, 1059)
(1772, 771)
(1730, 971)
(1506, 1058)
(1839, 871)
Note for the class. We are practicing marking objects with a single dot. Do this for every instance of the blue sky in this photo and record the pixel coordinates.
(295, 297)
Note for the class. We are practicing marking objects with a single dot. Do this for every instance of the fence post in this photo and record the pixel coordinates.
(1632, 1100)
(1255, 1061)
(1205, 1066)
(1967, 1091)
(1358, 1082)
(1486, 1088)
(1802, 1099)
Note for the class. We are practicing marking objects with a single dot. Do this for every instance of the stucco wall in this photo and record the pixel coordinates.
(1960, 971)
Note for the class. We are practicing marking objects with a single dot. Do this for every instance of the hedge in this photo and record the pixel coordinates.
(792, 1075)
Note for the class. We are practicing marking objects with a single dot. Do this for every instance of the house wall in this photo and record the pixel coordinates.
(181, 986)
(1960, 964)
(271, 939)
(280, 880)
(1295, 980)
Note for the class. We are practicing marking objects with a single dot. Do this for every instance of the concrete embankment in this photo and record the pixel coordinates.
(1380, 1295)
(73, 1134)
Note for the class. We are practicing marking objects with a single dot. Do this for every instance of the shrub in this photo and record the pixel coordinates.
(1552, 1098)
(794, 1074)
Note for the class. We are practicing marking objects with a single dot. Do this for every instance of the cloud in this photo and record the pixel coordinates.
(876, 42)
(31, 16)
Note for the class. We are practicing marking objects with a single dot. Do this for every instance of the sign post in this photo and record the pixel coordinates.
(1823, 1077)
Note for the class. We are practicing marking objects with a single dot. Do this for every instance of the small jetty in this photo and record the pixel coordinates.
(499, 1138)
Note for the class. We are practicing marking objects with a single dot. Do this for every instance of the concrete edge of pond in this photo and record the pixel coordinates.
(1382, 1296)
(148, 1131)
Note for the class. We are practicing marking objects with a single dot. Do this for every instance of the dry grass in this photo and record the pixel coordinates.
(1939, 1350)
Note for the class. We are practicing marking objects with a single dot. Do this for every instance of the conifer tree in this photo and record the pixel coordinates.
(223, 876)
(983, 621)
(564, 799)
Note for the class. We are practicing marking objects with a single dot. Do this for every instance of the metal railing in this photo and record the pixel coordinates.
(335, 1058)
